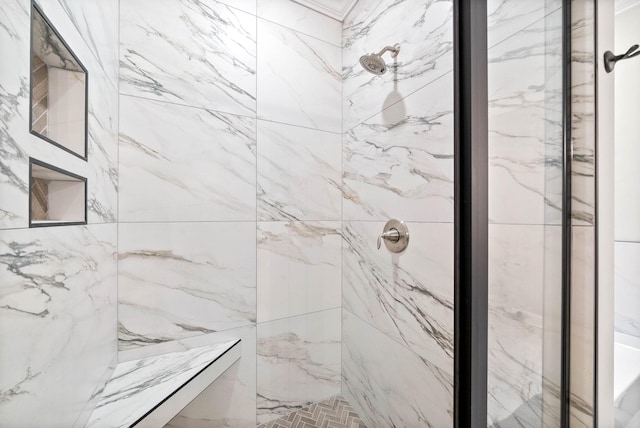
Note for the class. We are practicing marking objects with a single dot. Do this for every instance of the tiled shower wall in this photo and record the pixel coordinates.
(57, 284)
(397, 344)
(230, 204)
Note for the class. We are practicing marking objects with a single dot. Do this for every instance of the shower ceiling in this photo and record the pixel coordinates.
(336, 9)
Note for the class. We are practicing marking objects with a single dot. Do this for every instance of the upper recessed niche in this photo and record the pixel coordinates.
(58, 88)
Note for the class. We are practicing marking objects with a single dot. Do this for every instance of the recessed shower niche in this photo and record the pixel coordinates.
(58, 89)
(57, 197)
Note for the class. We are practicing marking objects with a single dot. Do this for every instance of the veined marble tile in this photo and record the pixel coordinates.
(582, 325)
(185, 164)
(57, 321)
(97, 23)
(194, 52)
(409, 297)
(507, 17)
(389, 385)
(299, 80)
(177, 280)
(516, 313)
(301, 19)
(299, 173)
(627, 288)
(583, 112)
(248, 6)
(298, 362)
(14, 98)
(299, 268)
(231, 400)
(424, 30)
(399, 163)
(525, 125)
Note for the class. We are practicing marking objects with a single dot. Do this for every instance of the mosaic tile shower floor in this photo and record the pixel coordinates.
(335, 412)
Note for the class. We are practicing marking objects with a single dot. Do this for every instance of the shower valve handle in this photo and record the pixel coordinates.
(391, 235)
(395, 235)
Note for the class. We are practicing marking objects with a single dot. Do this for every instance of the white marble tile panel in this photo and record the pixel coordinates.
(248, 6)
(390, 386)
(507, 17)
(299, 268)
(525, 125)
(298, 362)
(301, 19)
(14, 98)
(516, 312)
(231, 400)
(193, 52)
(582, 326)
(407, 296)
(185, 164)
(299, 80)
(299, 173)
(399, 163)
(58, 318)
(177, 280)
(424, 30)
(627, 288)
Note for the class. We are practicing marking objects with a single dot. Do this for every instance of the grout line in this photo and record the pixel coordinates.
(288, 317)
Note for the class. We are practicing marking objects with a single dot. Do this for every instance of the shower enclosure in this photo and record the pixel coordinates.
(386, 202)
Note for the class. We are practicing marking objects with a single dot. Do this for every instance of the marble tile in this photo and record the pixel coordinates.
(209, 175)
(389, 385)
(299, 173)
(298, 362)
(582, 326)
(97, 23)
(525, 125)
(299, 80)
(424, 30)
(583, 113)
(627, 288)
(399, 163)
(248, 6)
(516, 314)
(299, 268)
(57, 329)
(507, 17)
(14, 97)
(138, 386)
(207, 58)
(301, 19)
(335, 411)
(230, 401)
(177, 280)
(409, 297)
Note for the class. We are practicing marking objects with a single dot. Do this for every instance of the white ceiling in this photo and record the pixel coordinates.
(336, 9)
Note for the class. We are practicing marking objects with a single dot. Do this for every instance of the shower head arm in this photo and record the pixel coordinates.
(393, 49)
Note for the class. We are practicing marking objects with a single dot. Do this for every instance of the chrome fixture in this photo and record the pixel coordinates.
(374, 63)
(395, 235)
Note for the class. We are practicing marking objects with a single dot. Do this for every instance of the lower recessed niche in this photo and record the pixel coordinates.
(57, 197)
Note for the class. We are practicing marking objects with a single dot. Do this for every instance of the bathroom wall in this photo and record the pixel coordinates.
(397, 345)
(57, 284)
(627, 196)
(230, 203)
(525, 208)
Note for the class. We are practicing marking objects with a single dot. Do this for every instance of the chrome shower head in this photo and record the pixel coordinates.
(374, 63)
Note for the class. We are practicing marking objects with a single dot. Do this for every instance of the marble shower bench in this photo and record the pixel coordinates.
(149, 392)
